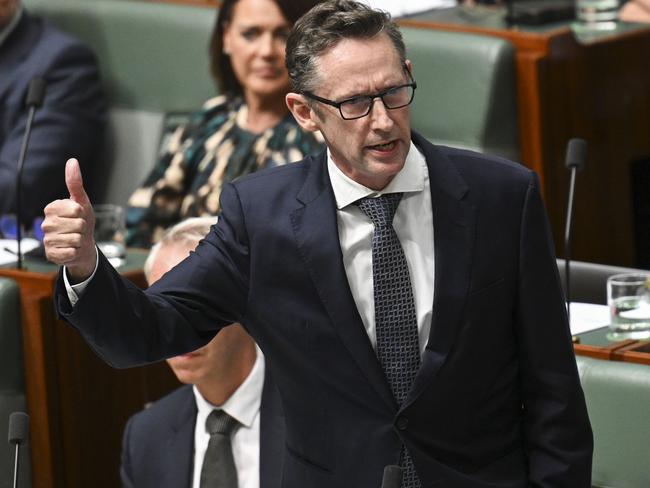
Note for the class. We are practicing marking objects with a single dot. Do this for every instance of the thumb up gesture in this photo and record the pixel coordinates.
(68, 228)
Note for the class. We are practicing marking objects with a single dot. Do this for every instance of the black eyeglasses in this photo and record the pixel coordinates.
(360, 106)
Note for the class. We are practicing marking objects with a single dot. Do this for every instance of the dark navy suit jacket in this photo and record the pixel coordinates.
(70, 122)
(497, 401)
(158, 443)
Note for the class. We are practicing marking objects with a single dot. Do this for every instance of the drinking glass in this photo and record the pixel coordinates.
(110, 230)
(628, 298)
(597, 14)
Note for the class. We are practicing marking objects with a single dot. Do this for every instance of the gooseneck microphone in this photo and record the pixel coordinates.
(18, 434)
(576, 155)
(392, 477)
(34, 99)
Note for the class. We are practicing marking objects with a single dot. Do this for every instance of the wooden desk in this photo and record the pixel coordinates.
(77, 404)
(597, 344)
(599, 91)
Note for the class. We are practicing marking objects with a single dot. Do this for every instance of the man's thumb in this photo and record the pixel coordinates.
(74, 182)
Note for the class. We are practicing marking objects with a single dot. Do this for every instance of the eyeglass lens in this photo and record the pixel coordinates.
(360, 106)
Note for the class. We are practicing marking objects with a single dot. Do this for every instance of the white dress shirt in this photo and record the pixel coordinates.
(413, 224)
(244, 406)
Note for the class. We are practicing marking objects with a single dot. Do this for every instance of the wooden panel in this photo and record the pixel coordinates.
(78, 405)
(600, 352)
(638, 352)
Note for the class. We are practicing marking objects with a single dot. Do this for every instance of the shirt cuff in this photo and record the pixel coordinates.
(75, 291)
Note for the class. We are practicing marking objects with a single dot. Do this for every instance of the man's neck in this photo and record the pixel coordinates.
(220, 386)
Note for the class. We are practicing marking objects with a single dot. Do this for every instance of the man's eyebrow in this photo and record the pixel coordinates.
(365, 94)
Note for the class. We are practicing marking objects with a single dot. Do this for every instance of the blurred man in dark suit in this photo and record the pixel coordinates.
(71, 120)
(168, 445)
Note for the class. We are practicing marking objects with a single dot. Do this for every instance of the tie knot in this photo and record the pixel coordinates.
(380, 210)
(219, 422)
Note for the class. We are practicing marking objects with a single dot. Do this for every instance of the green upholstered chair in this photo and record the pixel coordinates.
(466, 94)
(589, 280)
(12, 383)
(618, 401)
(154, 61)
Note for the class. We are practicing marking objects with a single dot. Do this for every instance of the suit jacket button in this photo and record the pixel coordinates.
(402, 423)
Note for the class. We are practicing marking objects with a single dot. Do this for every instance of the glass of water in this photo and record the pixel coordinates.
(110, 230)
(597, 15)
(628, 298)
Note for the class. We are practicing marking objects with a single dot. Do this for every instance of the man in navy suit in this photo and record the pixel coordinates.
(164, 446)
(477, 385)
(71, 120)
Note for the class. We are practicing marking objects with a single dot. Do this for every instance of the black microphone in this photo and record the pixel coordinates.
(576, 154)
(18, 434)
(392, 477)
(34, 99)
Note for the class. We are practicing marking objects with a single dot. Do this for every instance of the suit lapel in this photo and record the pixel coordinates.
(454, 227)
(178, 458)
(316, 231)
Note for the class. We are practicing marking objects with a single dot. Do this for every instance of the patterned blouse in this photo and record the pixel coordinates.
(202, 155)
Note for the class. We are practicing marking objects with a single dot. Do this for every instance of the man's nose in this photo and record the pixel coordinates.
(379, 115)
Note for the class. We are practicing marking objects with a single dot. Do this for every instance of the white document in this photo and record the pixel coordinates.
(588, 316)
(399, 8)
(9, 249)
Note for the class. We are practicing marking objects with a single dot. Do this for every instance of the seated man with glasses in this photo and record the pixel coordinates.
(405, 295)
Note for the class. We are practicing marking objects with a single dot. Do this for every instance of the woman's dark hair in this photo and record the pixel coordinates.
(220, 66)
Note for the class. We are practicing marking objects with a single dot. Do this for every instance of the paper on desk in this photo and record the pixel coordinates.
(588, 316)
(398, 8)
(9, 248)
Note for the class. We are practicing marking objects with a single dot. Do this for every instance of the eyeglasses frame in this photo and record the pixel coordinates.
(380, 95)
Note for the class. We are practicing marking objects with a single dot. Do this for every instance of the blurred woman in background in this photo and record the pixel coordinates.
(246, 128)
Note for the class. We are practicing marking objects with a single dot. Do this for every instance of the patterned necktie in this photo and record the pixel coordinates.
(218, 470)
(398, 347)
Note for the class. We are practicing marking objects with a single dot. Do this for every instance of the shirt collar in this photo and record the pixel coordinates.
(8, 29)
(410, 179)
(244, 404)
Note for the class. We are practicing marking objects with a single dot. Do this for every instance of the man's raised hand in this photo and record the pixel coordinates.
(68, 228)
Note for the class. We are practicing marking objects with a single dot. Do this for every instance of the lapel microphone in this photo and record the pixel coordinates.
(18, 434)
(576, 155)
(34, 99)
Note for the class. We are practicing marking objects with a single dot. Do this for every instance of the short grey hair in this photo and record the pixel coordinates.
(188, 232)
(326, 25)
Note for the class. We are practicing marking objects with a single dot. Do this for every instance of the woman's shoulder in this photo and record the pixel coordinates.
(289, 134)
(221, 102)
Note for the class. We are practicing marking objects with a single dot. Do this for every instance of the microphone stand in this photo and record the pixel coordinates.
(19, 177)
(35, 95)
(575, 159)
(567, 240)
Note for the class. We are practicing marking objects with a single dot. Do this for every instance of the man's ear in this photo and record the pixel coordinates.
(409, 66)
(302, 112)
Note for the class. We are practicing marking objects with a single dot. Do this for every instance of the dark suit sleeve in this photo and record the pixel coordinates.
(557, 433)
(70, 123)
(126, 470)
(180, 313)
